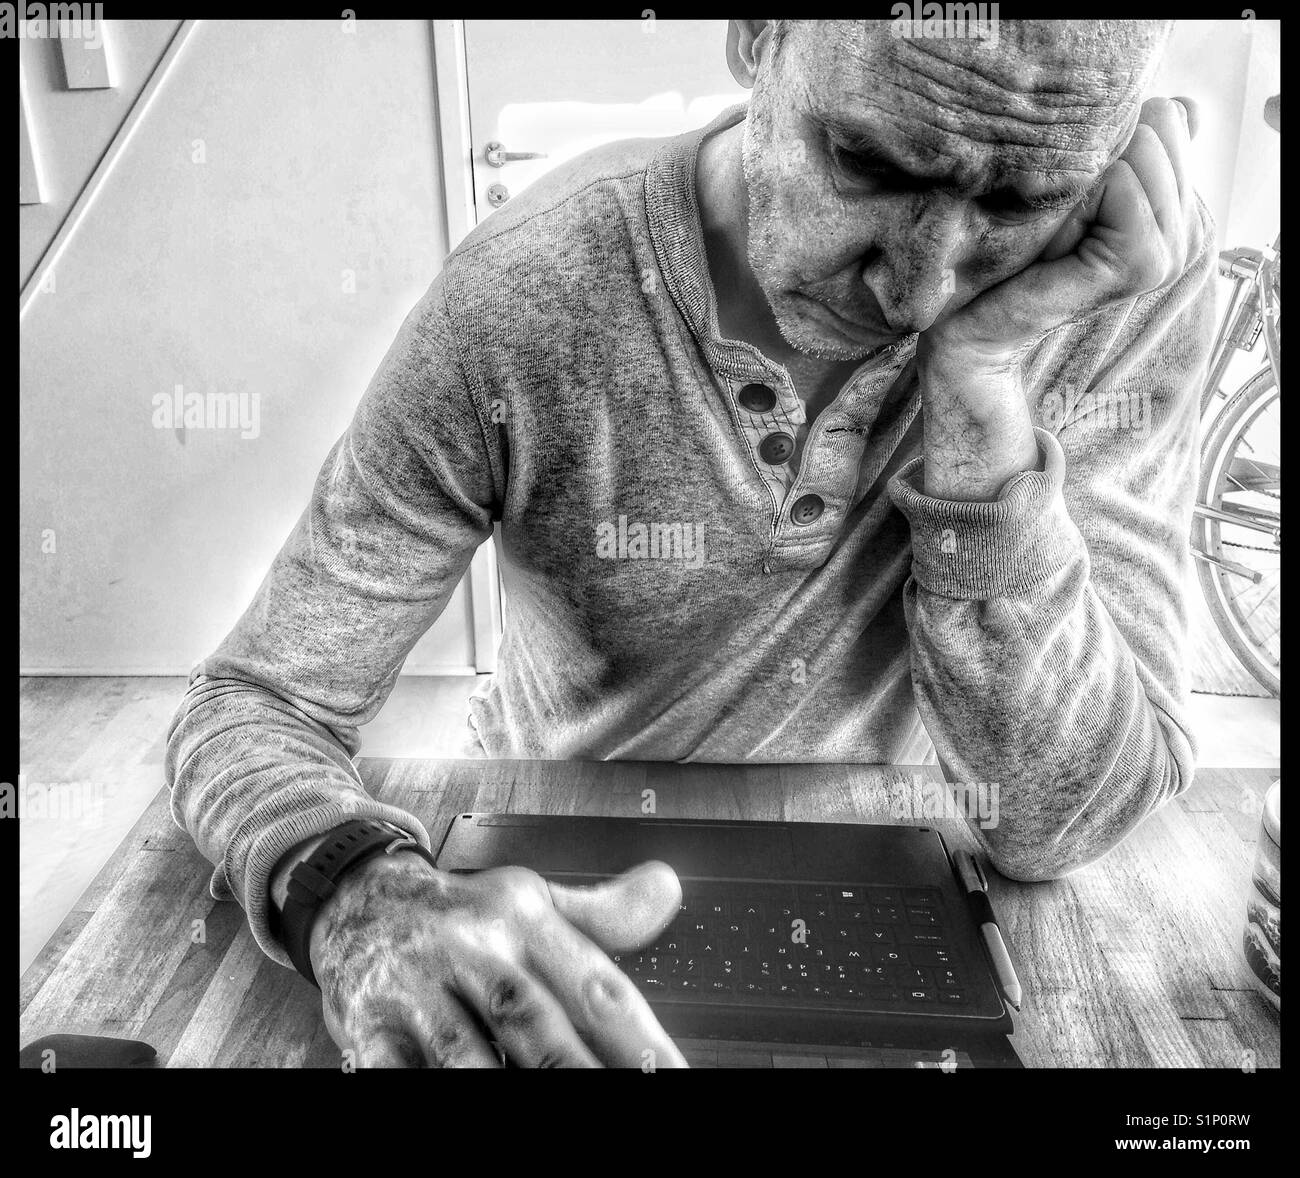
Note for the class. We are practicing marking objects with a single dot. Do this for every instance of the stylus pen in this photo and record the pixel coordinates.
(977, 888)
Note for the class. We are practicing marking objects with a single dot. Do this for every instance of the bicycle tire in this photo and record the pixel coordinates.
(1250, 400)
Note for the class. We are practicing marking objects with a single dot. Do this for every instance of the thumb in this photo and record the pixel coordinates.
(625, 912)
(1191, 112)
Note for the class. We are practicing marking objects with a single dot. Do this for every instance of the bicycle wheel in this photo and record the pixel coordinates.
(1241, 472)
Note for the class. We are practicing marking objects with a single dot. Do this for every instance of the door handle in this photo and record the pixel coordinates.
(498, 157)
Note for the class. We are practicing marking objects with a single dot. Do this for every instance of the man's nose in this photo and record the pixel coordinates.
(915, 275)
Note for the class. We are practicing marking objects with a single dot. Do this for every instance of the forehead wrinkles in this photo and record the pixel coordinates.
(1038, 116)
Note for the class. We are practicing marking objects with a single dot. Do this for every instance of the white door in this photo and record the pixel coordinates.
(549, 90)
(562, 87)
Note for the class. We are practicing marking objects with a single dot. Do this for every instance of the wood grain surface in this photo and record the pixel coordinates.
(1133, 962)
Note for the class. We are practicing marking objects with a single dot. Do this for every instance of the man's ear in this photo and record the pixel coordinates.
(747, 41)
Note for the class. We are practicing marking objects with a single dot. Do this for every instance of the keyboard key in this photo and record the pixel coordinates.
(919, 995)
(927, 955)
(717, 987)
(850, 895)
(883, 994)
(654, 985)
(923, 937)
(923, 916)
(751, 989)
(952, 995)
(920, 896)
(887, 955)
(882, 896)
(886, 914)
(685, 985)
(878, 935)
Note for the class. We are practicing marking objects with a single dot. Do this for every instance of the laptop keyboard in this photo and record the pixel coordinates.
(833, 946)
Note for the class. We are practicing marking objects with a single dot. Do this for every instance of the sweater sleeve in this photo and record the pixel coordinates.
(259, 754)
(1048, 627)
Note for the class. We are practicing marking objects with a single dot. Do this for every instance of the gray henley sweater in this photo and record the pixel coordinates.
(668, 598)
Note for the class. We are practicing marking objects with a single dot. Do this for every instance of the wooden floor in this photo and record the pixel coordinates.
(109, 734)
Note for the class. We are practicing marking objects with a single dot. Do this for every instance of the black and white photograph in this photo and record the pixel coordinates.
(650, 543)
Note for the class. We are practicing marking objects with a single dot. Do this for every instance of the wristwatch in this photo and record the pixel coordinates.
(315, 880)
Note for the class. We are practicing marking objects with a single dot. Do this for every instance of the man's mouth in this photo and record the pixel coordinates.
(863, 331)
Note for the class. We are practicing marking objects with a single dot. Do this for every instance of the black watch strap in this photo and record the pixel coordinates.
(315, 879)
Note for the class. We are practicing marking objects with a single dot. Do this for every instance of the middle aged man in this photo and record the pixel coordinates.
(860, 419)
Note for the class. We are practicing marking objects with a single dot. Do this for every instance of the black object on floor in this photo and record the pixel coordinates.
(86, 1051)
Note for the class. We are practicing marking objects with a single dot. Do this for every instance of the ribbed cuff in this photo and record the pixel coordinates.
(975, 551)
(279, 838)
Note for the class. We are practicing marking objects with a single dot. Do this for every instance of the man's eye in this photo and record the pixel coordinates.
(861, 167)
(1010, 207)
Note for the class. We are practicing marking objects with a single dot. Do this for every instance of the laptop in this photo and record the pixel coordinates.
(797, 944)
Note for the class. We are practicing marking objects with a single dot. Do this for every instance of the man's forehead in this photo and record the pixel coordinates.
(1061, 89)
(1084, 57)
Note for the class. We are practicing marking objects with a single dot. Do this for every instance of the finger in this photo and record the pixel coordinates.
(1125, 254)
(1191, 114)
(602, 1002)
(625, 912)
(388, 1047)
(520, 1013)
(1168, 118)
(1147, 157)
(448, 1035)
(1073, 229)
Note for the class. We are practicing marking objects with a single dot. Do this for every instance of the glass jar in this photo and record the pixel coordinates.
(1262, 941)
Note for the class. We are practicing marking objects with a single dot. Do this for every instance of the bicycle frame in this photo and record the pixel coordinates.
(1254, 309)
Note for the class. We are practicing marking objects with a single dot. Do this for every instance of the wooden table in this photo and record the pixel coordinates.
(1134, 962)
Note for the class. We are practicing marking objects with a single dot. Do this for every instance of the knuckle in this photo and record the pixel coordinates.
(446, 1045)
(510, 1004)
(523, 891)
(606, 992)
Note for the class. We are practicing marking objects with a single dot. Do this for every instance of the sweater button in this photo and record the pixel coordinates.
(807, 509)
(757, 398)
(776, 449)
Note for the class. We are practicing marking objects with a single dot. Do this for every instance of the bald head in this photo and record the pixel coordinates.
(1066, 84)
